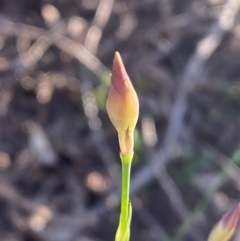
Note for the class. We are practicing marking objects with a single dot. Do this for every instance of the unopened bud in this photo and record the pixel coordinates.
(226, 227)
(122, 105)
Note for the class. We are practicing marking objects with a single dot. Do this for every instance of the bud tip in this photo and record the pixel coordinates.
(119, 73)
(230, 219)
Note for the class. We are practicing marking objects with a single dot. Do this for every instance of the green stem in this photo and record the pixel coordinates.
(126, 170)
(123, 231)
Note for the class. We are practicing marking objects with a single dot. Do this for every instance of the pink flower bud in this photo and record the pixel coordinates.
(122, 105)
(226, 227)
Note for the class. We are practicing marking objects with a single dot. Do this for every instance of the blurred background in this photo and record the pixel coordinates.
(59, 163)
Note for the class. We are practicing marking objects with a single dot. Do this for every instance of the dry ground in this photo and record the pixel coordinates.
(59, 164)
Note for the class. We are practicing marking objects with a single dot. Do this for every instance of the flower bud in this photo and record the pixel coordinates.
(225, 228)
(122, 105)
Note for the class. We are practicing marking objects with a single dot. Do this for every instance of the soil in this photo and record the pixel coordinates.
(59, 162)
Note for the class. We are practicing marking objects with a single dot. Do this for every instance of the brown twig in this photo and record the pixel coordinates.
(8, 27)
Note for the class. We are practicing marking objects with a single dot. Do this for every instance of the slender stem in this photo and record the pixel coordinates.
(126, 171)
(123, 231)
